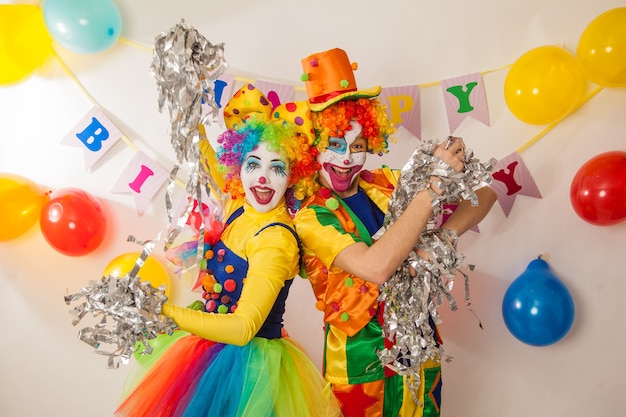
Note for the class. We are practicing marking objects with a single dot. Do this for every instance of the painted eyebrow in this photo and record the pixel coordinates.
(272, 161)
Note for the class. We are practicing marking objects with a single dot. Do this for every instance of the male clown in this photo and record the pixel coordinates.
(344, 265)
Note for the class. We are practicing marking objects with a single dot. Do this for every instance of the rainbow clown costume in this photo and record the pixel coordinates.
(233, 358)
(328, 223)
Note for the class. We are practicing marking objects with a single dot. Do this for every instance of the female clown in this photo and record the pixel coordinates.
(234, 359)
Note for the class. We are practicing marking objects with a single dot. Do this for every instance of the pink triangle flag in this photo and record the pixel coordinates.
(447, 211)
(464, 97)
(403, 107)
(276, 93)
(512, 178)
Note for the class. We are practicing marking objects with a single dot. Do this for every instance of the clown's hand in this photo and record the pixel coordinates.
(450, 153)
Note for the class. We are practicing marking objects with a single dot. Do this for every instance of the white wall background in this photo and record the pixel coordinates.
(46, 370)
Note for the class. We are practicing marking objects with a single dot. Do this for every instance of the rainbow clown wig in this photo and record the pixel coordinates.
(287, 129)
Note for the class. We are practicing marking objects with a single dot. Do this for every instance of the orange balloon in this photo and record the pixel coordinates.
(24, 42)
(601, 49)
(152, 270)
(21, 203)
(544, 84)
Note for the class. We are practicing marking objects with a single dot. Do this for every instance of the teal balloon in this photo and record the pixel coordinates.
(537, 307)
(83, 26)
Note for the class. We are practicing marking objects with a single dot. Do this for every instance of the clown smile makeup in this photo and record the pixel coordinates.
(262, 195)
(340, 178)
(264, 176)
(344, 159)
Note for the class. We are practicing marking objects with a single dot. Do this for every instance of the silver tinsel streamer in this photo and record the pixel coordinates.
(418, 287)
(130, 311)
(185, 65)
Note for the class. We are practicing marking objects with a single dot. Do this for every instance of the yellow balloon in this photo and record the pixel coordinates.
(24, 41)
(544, 84)
(602, 49)
(21, 203)
(152, 270)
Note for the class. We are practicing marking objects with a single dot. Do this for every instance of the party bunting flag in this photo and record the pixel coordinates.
(403, 107)
(222, 90)
(512, 178)
(464, 97)
(276, 93)
(447, 211)
(143, 177)
(95, 133)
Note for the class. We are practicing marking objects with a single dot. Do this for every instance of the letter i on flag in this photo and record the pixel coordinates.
(95, 133)
(143, 177)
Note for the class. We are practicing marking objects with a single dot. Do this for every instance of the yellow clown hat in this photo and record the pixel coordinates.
(249, 100)
(299, 115)
(329, 78)
(246, 101)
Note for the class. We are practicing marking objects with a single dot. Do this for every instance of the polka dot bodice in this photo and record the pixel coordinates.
(223, 282)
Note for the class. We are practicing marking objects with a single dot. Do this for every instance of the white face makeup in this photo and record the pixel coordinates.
(264, 176)
(344, 159)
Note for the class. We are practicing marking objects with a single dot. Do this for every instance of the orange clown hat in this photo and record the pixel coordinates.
(329, 78)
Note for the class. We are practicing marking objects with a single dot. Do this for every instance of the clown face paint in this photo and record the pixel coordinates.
(343, 160)
(264, 176)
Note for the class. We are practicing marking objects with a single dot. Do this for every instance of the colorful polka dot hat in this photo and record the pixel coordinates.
(246, 101)
(250, 100)
(329, 78)
(299, 114)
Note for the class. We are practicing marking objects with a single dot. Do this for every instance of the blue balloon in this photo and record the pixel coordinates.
(83, 26)
(537, 307)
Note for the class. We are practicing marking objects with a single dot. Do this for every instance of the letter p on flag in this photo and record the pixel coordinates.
(403, 107)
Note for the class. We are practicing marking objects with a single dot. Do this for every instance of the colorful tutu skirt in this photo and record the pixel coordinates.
(195, 377)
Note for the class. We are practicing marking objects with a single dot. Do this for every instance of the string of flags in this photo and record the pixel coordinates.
(464, 97)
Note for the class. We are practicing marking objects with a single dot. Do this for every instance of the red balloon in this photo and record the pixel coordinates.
(73, 222)
(598, 191)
